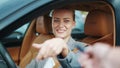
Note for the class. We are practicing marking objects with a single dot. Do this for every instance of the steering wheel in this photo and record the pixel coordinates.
(7, 60)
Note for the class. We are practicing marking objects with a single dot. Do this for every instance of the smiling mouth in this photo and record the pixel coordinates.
(60, 31)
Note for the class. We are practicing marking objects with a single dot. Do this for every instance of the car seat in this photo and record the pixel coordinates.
(39, 31)
(98, 27)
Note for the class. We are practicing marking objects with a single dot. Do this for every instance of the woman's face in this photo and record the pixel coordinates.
(62, 23)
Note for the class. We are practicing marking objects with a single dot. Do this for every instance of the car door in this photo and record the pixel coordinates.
(40, 11)
(13, 42)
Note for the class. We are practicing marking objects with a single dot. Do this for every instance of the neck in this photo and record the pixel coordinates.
(66, 39)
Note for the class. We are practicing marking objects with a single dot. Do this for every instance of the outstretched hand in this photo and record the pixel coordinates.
(51, 48)
(100, 56)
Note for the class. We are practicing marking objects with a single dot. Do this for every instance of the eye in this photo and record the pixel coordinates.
(56, 20)
(66, 21)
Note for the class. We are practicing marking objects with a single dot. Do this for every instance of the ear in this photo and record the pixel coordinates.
(74, 23)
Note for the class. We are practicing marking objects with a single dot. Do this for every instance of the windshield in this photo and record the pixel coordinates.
(10, 11)
(8, 6)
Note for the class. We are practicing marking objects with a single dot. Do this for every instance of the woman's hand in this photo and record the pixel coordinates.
(51, 48)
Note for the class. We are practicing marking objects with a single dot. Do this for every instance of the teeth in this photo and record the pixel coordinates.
(60, 31)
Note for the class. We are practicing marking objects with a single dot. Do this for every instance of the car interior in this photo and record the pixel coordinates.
(99, 26)
(102, 29)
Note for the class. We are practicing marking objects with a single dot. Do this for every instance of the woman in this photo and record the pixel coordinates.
(62, 46)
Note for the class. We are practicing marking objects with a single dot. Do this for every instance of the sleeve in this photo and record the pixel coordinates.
(32, 64)
(70, 61)
(41, 63)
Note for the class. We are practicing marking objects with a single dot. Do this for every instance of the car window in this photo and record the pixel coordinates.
(19, 33)
(78, 30)
(16, 37)
(80, 20)
(22, 29)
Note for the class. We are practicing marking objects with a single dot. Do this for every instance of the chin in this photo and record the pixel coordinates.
(60, 37)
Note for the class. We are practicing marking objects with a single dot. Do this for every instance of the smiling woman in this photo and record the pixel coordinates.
(60, 27)
(63, 20)
(20, 12)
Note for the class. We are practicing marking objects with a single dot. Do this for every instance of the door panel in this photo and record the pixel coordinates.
(14, 52)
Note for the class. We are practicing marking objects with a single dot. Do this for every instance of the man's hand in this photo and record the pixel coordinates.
(51, 48)
(96, 56)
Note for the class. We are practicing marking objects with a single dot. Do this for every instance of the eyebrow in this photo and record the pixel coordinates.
(66, 18)
(59, 18)
(56, 18)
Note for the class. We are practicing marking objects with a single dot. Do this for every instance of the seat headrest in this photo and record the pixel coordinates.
(98, 23)
(43, 25)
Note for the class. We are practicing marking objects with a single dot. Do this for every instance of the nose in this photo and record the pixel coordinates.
(61, 24)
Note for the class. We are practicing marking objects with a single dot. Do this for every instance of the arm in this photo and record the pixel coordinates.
(70, 61)
(55, 47)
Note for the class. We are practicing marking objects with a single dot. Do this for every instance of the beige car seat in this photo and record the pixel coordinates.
(98, 27)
